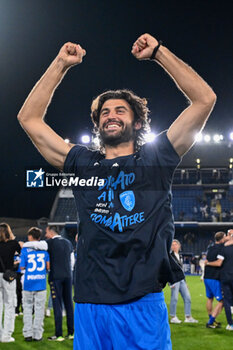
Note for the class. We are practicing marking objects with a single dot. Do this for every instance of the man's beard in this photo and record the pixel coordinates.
(124, 135)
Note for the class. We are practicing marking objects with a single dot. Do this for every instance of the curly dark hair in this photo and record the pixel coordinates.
(138, 106)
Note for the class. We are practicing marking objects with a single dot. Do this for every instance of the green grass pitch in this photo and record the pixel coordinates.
(184, 336)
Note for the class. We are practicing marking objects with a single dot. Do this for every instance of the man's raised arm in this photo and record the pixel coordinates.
(200, 95)
(52, 147)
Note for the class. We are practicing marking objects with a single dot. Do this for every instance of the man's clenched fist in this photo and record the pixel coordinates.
(143, 47)
(71, 54)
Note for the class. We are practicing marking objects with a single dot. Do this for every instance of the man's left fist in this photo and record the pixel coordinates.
(143, 47)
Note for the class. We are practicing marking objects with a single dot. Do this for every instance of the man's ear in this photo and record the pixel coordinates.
(137, 125)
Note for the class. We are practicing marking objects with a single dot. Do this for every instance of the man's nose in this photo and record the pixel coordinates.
(112, 114)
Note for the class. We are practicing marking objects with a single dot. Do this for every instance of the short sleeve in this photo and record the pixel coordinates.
(220, 257)
(162, 155)
(78, 157)
(71, 159)
(167, 155)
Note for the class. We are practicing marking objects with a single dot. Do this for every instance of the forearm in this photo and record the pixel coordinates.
(37, 245)
(51, 146)
(213, 263)
(191, 121)
(39, 98)
(187, 80)
(216, 263)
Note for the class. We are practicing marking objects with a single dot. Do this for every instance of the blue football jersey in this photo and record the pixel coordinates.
(34, 262)
(17, 258)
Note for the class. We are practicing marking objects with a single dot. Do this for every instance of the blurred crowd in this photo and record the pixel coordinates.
(216, 269)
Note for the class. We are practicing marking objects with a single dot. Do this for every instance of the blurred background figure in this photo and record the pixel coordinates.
(19, 306)
(180, 287)
(202, 265)
(212, 280)
(60, 280)
(36, 264)
(225, 260)
(8, 247)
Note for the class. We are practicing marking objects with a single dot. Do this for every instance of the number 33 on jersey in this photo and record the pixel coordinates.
(34, 263)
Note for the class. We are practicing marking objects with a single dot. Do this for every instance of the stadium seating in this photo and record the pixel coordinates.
(194, 193)
(65, 210)
(187, 205)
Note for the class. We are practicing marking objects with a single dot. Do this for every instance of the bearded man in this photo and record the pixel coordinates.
(126, 223)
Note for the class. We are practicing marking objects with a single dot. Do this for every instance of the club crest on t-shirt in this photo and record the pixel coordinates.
(105, 213)
(127, 199)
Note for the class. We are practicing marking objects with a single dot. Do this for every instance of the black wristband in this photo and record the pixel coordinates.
(155, 50)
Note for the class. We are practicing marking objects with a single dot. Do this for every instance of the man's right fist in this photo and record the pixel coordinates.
(71, 54)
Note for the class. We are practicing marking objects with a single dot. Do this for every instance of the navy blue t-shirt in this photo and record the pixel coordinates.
(213, 272)
(126, 222)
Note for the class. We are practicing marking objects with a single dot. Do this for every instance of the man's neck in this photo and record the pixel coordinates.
(123, 149)
(230, 242)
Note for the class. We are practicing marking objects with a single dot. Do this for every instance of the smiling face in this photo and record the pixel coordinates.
(116, 122)
(48, 233)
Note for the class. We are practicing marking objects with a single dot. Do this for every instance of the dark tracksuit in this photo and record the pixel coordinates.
(60, 280)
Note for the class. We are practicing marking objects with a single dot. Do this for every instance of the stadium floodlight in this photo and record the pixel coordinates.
(231, 136)
(198, 137)
(67, 140)
(221, 137)
(198, 161)
(217, 138)
(150, 137)
(207, 138)
(85, 139)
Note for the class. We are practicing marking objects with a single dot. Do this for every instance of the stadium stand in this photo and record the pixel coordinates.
(199, 202)
(64, 209)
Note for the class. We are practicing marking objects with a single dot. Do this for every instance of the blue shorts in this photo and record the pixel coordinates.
(213, 289)
(142, 324)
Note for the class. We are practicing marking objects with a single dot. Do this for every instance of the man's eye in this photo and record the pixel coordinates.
(120, 111)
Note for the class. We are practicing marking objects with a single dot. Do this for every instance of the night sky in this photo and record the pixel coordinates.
(31, 34)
